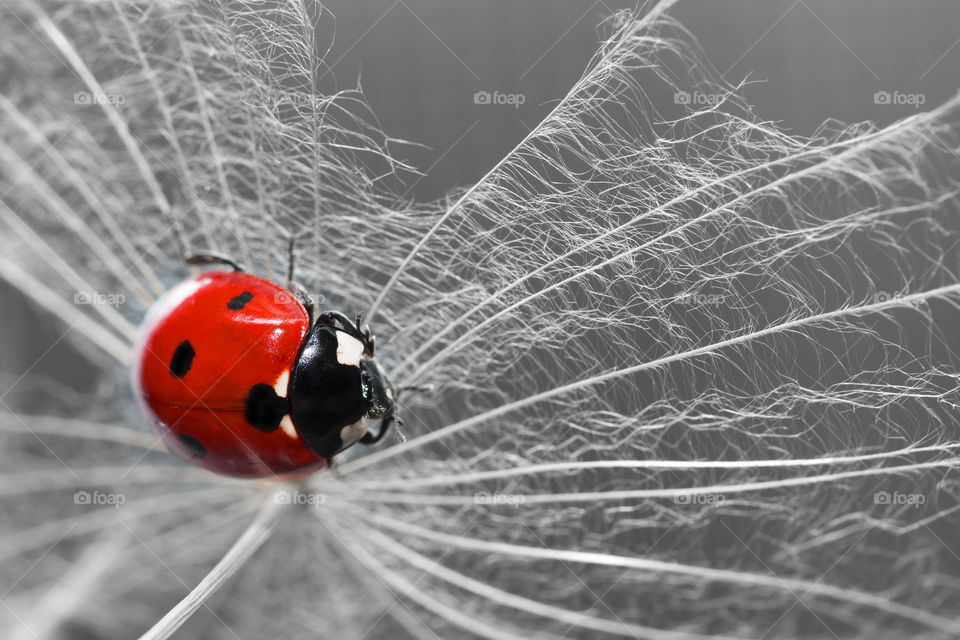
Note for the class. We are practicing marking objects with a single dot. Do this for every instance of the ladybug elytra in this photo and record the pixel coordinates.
(236, 377)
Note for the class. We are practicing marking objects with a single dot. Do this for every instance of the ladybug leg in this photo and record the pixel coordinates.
(333, 466)
(415, 388)
(385, 425)
(294, 285)
(366, 337)
(393, 419)
(204, 258)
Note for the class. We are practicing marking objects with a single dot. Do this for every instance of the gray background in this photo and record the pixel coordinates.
(421, 61)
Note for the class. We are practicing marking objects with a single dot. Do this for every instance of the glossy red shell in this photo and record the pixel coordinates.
(242, 331)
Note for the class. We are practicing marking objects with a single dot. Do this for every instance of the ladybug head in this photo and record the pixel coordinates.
(338, 393)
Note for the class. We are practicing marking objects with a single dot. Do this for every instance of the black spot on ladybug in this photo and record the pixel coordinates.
(193, 445)
(264, 409)
(240, 301)
(182, 359)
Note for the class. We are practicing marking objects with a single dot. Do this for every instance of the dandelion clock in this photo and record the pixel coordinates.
(665, 370)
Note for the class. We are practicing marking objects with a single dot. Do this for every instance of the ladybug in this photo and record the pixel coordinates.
(236, 376)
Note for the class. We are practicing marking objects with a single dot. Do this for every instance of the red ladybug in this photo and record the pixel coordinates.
(235, 377)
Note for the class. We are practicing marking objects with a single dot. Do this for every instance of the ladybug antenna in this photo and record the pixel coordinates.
(293, 285)
(292, 253)
(205, 258)
(414, 388)
(291, 258)
(180, 238)
(291, 248)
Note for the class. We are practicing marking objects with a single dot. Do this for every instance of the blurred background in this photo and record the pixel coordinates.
(420, 63)
(466, 81)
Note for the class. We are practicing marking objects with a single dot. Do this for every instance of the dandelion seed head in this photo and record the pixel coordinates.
(687, 368)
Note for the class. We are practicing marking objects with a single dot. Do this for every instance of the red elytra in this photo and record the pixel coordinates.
(202, 348)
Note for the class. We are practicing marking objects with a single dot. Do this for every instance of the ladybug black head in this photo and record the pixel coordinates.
(338, 393)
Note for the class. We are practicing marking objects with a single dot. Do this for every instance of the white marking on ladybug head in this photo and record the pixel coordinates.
(352, 432)
(349, 349)
(280, 386)
(287, 425)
